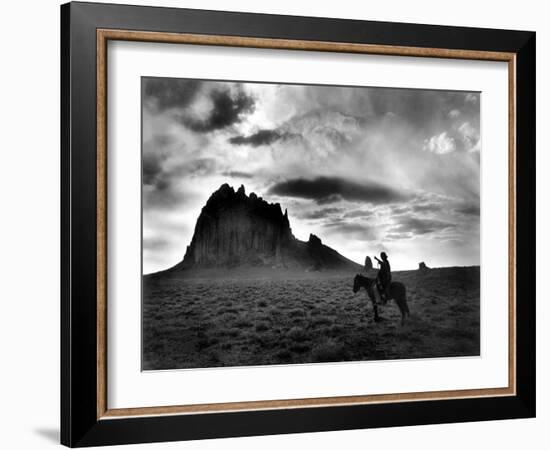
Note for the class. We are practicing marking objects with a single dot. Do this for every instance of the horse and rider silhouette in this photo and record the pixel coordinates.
(381, 280)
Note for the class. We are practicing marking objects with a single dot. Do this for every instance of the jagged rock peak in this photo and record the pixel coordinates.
(234, 229)
(314, 240)
(227, 198)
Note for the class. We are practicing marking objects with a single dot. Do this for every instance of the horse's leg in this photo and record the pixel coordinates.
(385, 296)
(401, 300)
(374, 305)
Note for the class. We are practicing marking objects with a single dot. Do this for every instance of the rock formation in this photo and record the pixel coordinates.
(422, 267)
(235, 230)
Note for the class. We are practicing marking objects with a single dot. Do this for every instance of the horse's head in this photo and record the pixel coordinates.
(356, 283)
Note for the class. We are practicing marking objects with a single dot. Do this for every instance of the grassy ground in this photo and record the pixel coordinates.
(201, 322)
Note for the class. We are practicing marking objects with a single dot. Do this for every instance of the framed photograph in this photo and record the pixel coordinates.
(276, 224)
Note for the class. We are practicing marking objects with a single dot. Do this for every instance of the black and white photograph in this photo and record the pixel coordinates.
(277, 225)
(297, 224)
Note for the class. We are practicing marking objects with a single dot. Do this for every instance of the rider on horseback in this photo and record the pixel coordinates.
(384, 276)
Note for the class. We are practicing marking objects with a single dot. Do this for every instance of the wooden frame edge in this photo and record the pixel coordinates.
(103, 36)
(512, 199)
(304, 403)
(101, 224)
(289, 44)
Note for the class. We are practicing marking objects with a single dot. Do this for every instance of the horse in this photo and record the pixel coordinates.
(396, 291)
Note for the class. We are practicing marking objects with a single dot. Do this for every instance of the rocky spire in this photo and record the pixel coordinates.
(235, 230)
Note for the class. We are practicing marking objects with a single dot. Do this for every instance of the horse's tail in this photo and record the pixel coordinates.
(405, 302)
(401, 297)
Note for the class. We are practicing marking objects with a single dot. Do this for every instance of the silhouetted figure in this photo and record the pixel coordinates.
(396, 290)
(384, 276)
(369, 269)
(368, 264)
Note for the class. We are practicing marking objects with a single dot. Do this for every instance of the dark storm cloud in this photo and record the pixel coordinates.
(155, 243)
(151, 169)
(160, 179)
(320, 213)
(261, 137)
(159, 174)
(400, 210)
(197, 167)
(331, 189)
(165, 93)
(469, 210)
(419, 226)
(237, 174)
(162, 199)
(227, 109)
(163, 140)
(427, 207)
(358, 213)
(352, 231)
(421, 206)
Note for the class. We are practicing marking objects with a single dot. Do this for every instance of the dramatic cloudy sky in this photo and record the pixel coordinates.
(365, 169)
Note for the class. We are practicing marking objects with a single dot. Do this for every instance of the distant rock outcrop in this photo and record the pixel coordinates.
(235, 230)
(422, 267)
